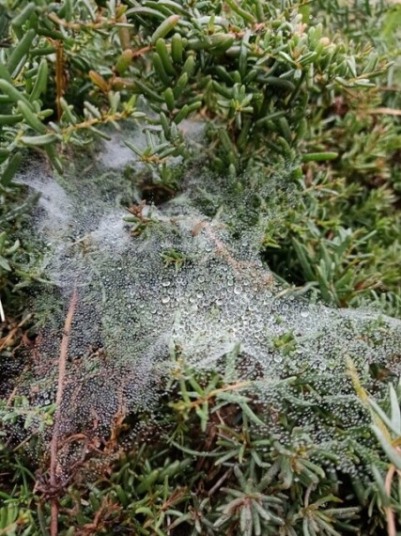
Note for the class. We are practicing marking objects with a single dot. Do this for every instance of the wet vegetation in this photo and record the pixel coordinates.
(298, 164)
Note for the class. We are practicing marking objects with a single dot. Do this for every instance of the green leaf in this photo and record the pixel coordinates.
(165, 28)
(4, 264)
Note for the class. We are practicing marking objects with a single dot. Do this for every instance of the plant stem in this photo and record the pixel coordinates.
(62, 360)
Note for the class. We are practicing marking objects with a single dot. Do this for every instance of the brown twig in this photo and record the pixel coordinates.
(107, 508)
(77, 26)
(60, 77)
(390, 515)
(239, 267)
(13, 334)
(384, 111)
(93, 121)
(62, 360)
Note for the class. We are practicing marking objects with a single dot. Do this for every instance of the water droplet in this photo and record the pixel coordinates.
(165, 300)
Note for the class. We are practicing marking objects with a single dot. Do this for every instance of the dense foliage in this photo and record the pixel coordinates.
(309, 87)
(269, 86)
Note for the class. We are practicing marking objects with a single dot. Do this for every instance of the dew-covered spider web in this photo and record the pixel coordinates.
(184, 280)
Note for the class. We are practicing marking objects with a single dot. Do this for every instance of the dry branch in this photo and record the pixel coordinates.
(385, 111)
(54, 445)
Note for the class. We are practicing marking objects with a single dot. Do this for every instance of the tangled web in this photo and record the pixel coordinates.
(184, 280)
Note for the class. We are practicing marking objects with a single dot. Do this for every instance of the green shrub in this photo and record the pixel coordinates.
(291, 89)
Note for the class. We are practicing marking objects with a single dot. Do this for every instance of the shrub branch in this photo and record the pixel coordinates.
(54, 445)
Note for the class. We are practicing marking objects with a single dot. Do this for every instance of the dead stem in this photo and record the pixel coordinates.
(384, 111)
(60, 78)
(62, 360)
(239, 267)
(105, 118)
(391, 529)
(100, 23)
